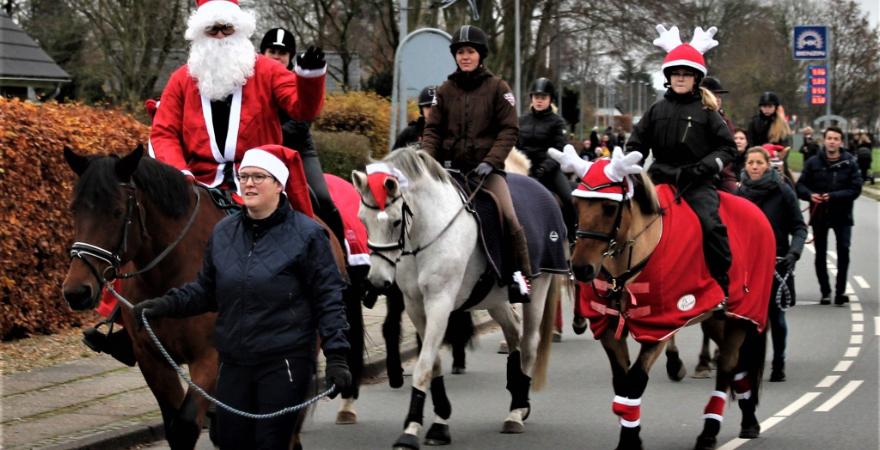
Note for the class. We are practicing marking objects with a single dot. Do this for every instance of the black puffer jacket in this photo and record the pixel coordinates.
(780, 204)
(297, 134)
(684, 137)
(412, 134)
(759, 131)
(538, 131)
(274, 282)
(839, 179)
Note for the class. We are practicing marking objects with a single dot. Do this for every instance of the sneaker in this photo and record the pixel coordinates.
(826, 299)
(557, 336)
(841, 299)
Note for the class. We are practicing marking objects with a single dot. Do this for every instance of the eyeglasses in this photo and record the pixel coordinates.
(257, 178)
(682, 74)
(225, 29)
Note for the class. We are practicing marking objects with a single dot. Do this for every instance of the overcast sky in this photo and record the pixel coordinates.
(873, 9)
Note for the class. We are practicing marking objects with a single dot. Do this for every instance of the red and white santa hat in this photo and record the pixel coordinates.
(688, 55)
(609, 177)
(377, 173)
(226, 12)
(286, 166)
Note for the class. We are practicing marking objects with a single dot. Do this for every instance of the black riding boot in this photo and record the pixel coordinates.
(116, 344)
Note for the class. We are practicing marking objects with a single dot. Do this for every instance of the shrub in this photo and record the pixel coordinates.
(341, 152)
(362, 113)
(35, 191)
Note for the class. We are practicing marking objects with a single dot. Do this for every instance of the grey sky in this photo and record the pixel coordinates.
(873, 9)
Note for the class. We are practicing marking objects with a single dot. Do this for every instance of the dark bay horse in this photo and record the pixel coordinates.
(622, 241)
(140, 212)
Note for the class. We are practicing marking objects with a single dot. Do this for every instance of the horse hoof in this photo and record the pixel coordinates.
(346, 418)
(750, 431)
(502, 348)
(579, 325)
(395, 379)
(438, 434)
(406, 441)
(512, 427)
(702, 373)
(706, 443)
(457, 370)
(557, 336)
(675, 368)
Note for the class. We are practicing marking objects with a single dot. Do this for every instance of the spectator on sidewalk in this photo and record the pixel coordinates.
(810, 147)
(766, 188)
(831, 182)
(865, 157)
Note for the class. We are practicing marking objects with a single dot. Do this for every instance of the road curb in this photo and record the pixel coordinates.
(147, 432)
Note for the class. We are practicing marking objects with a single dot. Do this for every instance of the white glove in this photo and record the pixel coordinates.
(623, 165)
(569, 161)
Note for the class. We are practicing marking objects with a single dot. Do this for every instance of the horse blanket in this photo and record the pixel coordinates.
(675, 286)
(347, 201)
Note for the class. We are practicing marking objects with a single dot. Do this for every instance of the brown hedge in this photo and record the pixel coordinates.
(36, 227)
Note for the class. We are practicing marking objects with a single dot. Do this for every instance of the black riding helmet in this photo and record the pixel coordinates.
(470, 36)
(280, 39)
(768, 98)
(426, 97)
(713, 85)
(698, 75)
(542, 86)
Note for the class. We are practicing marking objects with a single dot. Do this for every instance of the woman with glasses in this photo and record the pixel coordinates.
(270, 275)
(690, 142)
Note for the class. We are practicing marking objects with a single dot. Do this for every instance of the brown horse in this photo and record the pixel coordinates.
(141, 212)
(616, 239)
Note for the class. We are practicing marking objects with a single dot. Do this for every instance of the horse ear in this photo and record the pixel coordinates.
(359, 179)
(76, 162)
(392, 186)
(126, 166)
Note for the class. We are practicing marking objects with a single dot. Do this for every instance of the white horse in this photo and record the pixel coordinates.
(423, 238)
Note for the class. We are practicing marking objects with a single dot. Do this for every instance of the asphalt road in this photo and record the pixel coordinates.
(830, 400)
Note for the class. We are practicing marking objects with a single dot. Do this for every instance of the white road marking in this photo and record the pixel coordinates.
(855, 307)
(858, 317)
(839, 396)
(849, 289)
(859, 327)
(794, 406)
(842, 366)
(810, 247)
(851, 352)
(853, 298)
(832, 254)
(855, 339)
(861, 282)
(765, 425)
(828, 381)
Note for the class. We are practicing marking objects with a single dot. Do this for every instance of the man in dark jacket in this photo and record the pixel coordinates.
(831, 182)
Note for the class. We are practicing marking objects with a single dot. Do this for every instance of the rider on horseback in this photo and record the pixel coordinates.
(689, 140)
(473, 127)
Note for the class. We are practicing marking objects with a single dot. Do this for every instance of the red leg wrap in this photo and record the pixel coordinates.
(628, 409)
(715, 407)
(741, 387)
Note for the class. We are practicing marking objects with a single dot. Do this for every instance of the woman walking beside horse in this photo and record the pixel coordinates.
(270, 274)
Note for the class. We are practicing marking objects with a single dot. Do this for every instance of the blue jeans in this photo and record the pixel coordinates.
(843, 235)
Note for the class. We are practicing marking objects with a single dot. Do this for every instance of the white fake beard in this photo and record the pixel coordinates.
(221, 65)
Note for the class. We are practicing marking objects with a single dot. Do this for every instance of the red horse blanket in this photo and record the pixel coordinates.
(347, 201)
(675, 287)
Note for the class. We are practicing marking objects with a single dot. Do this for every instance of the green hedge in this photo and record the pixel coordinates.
(341, 152)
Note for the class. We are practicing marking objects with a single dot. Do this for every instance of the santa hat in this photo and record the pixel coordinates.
(773, 149)
(688, 55)
(377, 173)
(212, 12)
(286, 166)
(609, 177)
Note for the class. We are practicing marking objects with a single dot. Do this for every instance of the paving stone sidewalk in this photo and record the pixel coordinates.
(99, 403)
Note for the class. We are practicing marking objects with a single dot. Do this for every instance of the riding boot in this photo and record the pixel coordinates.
(518, 291)
(333, 219)
(116, 344)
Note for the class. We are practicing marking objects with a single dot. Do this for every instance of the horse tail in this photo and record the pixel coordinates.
(554, 296)
(751, 357)
(460, 329)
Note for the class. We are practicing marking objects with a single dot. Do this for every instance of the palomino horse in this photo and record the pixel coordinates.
(140, 211)
(633, 251)
(422, 240)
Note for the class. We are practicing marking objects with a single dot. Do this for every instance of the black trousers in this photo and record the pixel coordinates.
(843, 236)
(557, 183)
(703, 199)
(325, 209)
(261, 389)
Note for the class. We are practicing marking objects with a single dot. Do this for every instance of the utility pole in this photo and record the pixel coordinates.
(517, 70)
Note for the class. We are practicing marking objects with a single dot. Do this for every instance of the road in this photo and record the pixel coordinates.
(830, 400)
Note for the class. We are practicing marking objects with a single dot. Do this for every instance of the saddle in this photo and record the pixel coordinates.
(225, 200)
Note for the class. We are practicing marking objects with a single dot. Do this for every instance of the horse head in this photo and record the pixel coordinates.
(382, 213)
(104, 206)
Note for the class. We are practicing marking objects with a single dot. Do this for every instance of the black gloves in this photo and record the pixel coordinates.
(483, 169)
(786, 264)
(337, 373)
(311, 59)
(547, 166)
(154, 308)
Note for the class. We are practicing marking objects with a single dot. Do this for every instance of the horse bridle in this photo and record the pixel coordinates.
(611, 237)
(114, 259)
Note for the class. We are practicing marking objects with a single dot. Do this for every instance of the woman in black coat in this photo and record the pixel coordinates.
(764, 186)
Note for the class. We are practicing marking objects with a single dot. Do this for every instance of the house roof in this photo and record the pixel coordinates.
(22, 59)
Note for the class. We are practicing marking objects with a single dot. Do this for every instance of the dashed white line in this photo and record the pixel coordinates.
(863, 283)
(853, 298)
(859, 327)
(855, 339)
(858, 317)
(839, 396)
(765, 425)
(828, 381)
(849, 289)
(851, 352)
(810, 247)
(842, 366)
(855, 307)
(832, 254)
(794, 406)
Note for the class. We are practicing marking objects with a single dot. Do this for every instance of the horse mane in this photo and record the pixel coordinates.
(645, 195)
(165, 186)
(415, 164)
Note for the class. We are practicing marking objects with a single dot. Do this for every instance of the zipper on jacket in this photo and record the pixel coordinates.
(289, 375)
(688, 127)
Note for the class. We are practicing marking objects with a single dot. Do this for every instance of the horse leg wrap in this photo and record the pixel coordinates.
(416, 407)
(442, 407)
(742, 389)
(517, 382)
(715, 408)
(628, 409)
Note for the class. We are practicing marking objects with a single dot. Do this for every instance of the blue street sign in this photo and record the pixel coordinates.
(810, 42)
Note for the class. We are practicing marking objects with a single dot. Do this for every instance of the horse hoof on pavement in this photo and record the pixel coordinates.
(438, 434)
(706, 443)
(406, 441)
(457, 370)
(512, 427)
(579, 325)
(750, 431)
(702, 372)
(675, 367)
(502, 348)
(346, 418)
(395, 379)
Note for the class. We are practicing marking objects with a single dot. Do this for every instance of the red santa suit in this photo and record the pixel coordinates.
(183, 131)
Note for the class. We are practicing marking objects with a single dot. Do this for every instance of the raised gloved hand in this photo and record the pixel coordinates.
(547, 166)
(786, 264)
(483, 170)
(569, 161)
(154, 308)
(311, 59)
(337, 373)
